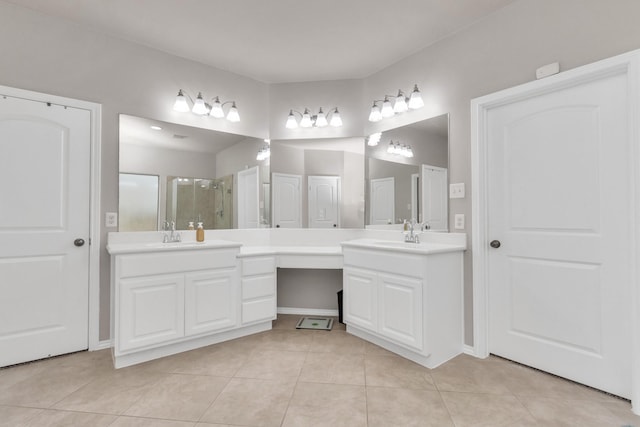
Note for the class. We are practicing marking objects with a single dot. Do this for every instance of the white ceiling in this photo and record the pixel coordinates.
(278, 41)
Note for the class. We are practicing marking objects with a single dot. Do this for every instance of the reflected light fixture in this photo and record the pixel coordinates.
(307, 120)
(373, 139)
(401, 104)
(202, 108)
(400, 149)
(265, 151)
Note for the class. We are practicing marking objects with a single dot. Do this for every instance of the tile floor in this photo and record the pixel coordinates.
(288, 377)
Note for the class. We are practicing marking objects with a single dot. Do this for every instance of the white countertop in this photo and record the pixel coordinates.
(399, 246)
(139, 247)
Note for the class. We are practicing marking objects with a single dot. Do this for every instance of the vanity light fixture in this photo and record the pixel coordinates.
(265, 151)
(373, 139)
(307, 120)
(400, 149)
(202, 108)
(400, 105)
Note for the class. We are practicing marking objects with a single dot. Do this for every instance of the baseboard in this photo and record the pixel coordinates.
(308, 311)
(469, 349)
(102, 345)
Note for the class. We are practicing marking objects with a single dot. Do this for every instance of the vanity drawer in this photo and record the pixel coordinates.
(258, 286)
(384, 260)
(262, 309)
(258, 265)
(147, 264)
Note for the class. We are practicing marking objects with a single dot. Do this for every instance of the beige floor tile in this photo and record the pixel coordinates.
(111, 393)
(372, 350)
(12, 416)
(286, 321)
(334, 405)
(333, 368)
(490, 410)
(285, 340)
(148, 422)
(337, 342)
(54, 418)
(272, 364)
(178, 397)
(216, 361)
(251, 402)
(583, 413)
(395, 371)
(469, 374)
(403, 407)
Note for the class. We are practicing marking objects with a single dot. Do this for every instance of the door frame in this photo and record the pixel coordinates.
(627, 64)
(95, 111)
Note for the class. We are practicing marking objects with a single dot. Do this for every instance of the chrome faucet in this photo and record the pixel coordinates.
(173, 236)
(411, 235)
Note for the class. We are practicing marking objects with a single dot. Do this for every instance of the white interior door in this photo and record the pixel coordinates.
(434, 197)
(249, 198)
(324, 201)
(559, 191)
(44, 211)
(287, 203)
(382, 201)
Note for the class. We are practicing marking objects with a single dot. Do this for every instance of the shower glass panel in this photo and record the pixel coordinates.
(139, 202)
(205, 200)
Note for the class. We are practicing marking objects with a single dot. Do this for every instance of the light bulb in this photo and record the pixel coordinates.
(292, 123)
(321, 119)
(216, 109)
(306, 122)
(181, 104)
(336, 120)
(409, 152)
(375, 115)
(400, 104)
(373, 139)
(199, 107)
(233, 115)
(387, 109)
(416, 101)
(391, 149)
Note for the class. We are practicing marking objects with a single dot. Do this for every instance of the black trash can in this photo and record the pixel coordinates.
(340, 306)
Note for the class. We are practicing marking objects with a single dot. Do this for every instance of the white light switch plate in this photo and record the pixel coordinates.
(456, 191)
(458, 221)
(111, 219)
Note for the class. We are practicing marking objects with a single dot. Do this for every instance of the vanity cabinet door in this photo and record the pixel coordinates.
(211, 301)
(360, 298)
(400, 309)
(151, 310)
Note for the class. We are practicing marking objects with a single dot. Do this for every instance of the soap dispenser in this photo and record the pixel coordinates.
(190, 227)
(200, 233)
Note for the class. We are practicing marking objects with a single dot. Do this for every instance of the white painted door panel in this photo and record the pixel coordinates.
(249, 198)
(44, 207)
(382, 201)
(287, 201)
(434, 198)
(559, 190)
(210, 301)
(324, 201)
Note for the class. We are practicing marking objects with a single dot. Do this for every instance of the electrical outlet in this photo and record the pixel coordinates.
(458, 221)
(111, 219)
(456, 191)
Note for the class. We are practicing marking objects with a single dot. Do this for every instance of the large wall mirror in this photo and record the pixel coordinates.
(406, 172)
(182, 174)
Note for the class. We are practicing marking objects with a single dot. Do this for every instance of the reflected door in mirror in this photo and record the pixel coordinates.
(434, 196)
(287, 203)
(382, 197)
(324, 201)
(248, 198)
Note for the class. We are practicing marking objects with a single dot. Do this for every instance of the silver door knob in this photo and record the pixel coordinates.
(495, 244)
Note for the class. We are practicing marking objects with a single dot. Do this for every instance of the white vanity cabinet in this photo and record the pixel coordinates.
(258, 289)
(405, 299)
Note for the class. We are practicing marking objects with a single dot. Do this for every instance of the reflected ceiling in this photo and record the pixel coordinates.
(277, 41)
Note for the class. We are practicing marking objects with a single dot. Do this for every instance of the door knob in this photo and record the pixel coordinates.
(335, 225)
(78, 242)
(278, 226)
(495, 244)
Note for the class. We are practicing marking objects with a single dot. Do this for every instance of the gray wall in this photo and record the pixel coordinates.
(49, 55)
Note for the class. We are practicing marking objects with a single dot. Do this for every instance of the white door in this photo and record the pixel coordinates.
(382, 201)
(287, 203)
(44, 209)
(249, 198)
(416, 213)
(324, 201)
(434, 198)
(559, 207)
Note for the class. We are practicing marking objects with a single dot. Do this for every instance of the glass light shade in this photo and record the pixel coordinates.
(375, 115)
(321, 119)
(292, 123)
(409, 152)
(387, 109)
(306, 122)
(373, 139)
(336, 120)
(199, 107)
(216, 109)
(391, 149)
(400, 104)
(233, 115)
(415, 101)
(181, 104)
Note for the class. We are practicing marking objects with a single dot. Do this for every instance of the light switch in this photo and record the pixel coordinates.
(111, 219)
(458, 221)
(456, 191)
